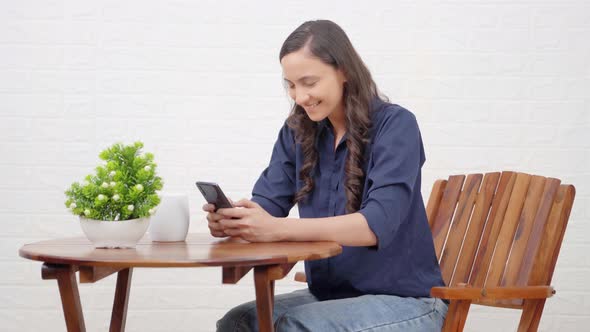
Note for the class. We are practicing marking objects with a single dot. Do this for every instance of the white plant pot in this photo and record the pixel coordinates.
(114, 234)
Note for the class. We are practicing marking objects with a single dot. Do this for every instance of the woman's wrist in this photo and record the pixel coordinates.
(282, 228)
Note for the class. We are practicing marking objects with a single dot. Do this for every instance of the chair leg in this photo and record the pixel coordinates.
(456, 315)
(119, 314)
(531, 315)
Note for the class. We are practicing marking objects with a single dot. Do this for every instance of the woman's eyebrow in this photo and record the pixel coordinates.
(304, 78)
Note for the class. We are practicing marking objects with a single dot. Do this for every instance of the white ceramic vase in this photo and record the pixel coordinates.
(114, 234)
(171, 221)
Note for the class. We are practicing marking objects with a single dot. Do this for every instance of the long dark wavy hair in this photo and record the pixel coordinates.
(327, 41)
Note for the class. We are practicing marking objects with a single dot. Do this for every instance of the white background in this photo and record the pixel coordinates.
(495, 85)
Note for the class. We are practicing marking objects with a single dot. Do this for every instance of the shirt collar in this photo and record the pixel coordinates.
(321, 125)
(375, 105)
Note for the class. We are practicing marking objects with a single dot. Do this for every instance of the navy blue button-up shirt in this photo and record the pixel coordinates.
(403, 263)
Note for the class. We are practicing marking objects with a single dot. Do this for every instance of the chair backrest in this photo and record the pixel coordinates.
(501, 229)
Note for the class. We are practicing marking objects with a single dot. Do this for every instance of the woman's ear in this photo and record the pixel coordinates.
(341, 75)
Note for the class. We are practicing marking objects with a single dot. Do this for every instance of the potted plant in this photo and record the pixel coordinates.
(115, 204)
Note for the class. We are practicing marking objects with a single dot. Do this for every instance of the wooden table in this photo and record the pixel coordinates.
(62, 258)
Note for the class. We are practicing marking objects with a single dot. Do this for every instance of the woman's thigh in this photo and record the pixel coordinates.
(243, 318)
(367, 313)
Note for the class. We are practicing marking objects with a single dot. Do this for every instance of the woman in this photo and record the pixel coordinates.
(352, 162)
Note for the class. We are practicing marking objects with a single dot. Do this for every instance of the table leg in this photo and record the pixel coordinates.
(264, 298)
(119, 315)
(272, 294)
(68, 290)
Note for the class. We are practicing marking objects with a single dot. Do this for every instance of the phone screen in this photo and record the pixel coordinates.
(214, 195)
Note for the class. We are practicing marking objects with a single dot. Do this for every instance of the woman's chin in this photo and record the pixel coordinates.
(315, 116)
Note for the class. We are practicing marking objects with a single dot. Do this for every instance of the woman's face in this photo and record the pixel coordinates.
(313, 85)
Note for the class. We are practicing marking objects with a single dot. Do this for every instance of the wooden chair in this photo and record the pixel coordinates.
(497, 238)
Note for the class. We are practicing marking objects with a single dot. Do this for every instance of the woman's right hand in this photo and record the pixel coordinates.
(213, 221)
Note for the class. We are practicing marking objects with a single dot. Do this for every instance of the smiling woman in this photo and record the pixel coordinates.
(321, 49)
(352, 163)
(314, 83)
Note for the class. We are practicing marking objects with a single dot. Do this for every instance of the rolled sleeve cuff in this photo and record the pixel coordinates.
(378, 222)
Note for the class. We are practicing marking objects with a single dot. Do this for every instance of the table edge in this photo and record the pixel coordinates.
(254, 261)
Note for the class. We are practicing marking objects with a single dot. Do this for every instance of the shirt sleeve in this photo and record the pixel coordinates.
(397, 156)
(275, 188)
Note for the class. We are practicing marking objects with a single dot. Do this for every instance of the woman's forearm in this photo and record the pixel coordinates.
(347, 230)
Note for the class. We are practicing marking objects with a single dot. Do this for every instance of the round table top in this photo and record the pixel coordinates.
(197, 250)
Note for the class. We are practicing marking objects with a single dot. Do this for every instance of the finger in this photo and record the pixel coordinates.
(233, 232)
(218, 234)
(246, 203)
(209, 207)
(233, 212)
(230, 223)
(215, 226)
(214, 216)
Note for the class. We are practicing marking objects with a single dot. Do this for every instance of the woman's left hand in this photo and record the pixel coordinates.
(252, 223)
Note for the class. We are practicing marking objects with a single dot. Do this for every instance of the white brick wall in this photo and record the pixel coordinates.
(495, 84)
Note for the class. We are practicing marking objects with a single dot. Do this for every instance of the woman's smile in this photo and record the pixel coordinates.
(311, 107)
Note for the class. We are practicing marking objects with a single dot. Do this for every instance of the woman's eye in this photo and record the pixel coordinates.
(309, 85)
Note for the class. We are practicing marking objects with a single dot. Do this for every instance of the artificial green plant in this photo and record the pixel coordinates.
(123, 188)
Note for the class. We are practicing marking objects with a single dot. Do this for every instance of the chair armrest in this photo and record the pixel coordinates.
(301, 277)
(495, 293)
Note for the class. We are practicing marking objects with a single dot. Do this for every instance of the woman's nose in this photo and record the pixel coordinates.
(301, 98)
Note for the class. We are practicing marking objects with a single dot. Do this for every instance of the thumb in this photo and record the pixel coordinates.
(245, 203)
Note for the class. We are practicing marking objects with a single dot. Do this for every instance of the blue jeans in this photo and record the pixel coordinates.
(301, 311)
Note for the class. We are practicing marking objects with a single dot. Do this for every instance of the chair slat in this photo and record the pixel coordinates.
(459, 225)
(445, 212)
(492, 229)
(546, 258)
(523, 230)
(475, 230)
(434, 200)
(536, 235)
(509, 224)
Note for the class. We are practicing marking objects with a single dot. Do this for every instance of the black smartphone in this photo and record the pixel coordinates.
(214, 195)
